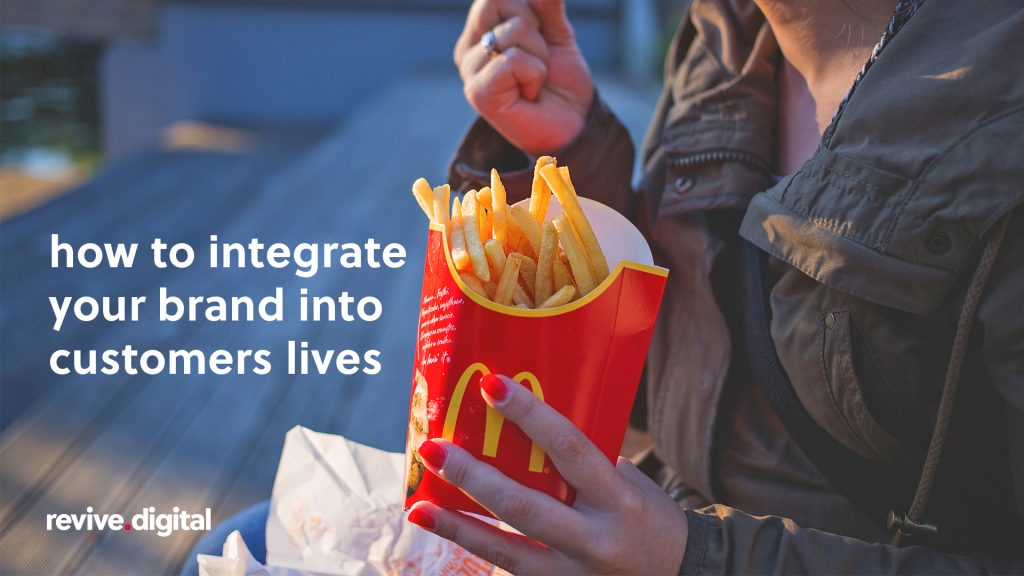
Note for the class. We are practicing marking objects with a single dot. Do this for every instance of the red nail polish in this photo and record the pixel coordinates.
(494, 387)
(433, 453)
(422, 518)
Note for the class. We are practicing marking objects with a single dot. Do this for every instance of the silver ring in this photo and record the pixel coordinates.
(489, 43)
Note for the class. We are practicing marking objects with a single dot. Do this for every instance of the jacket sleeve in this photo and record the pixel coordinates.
(726, 541)
(600, 160)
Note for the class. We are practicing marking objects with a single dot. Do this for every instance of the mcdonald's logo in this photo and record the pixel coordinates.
(494, 421)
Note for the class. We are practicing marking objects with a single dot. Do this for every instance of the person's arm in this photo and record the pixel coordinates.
(600, 160)
(726, 541)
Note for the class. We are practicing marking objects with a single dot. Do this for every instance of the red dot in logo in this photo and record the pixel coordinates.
(127, 526)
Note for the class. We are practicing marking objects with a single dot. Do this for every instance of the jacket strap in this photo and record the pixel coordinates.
(911, 523)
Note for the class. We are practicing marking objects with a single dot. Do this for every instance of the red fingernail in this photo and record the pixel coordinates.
(422, 518)
(494, 387)
(433, 453)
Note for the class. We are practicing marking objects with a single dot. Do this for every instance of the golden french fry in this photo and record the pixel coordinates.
(540, 195)
(517, 240)
(543, 283)
(474, 284)
(442, 199)
(529, 227)
(563, 296)
(424, 197)
(561, 275)
(483, 197)
(483, 201)
(491, 287)
(460, 256)
(509, 279)
(499, 209)
(472, 233)
(571, 204)
(521, 299)
(574, 252)
(495, 255)
(527, 273)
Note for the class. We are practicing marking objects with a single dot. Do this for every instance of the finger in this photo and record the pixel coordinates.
(580, 462)
(554, 22)
(630, 472)
(512, 71)
(485, 15)
(512, 33)
(533, 513)
(511, 552)
(517, 32)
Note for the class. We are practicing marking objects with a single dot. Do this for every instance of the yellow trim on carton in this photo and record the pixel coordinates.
(575, 304)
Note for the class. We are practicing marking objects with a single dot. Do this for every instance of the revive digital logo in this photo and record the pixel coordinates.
(148, 520)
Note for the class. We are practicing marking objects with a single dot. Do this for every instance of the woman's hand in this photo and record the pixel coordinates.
(535, 89)
(621, 521)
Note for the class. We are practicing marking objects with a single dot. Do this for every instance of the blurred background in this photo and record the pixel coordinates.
(287, 120)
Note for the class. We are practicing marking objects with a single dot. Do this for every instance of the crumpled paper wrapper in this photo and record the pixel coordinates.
(337, 509)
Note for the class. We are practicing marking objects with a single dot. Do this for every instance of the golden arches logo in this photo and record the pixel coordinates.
(494, 421)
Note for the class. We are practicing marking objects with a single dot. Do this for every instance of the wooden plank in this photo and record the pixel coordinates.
(170, 195)
(46, 435)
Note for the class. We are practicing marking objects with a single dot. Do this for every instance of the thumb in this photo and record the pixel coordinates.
(554, 23)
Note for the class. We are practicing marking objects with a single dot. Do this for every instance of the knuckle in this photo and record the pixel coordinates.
(474, 94)
(514, 26)
(515, 507)
(568, 444)
(500, 555)
(523, 407)
(608, 552)
(631, 503)
(456, 471)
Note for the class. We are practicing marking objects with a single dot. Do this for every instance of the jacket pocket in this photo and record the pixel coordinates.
(856, 427)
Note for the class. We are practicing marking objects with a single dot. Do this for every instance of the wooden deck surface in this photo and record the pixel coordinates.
(120, 444)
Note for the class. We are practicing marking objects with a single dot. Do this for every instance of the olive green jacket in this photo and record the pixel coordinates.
(873, 242)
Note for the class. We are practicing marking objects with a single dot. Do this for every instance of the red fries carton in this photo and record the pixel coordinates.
(584, 359)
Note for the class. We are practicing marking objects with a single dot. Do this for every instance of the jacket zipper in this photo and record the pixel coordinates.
(719, 157)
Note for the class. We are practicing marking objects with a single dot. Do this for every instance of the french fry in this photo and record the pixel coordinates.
(574, 252)
(529, 227)
(571, 204)
(460, 256)
(499, 209)
(527, 272)
(561, 275)
(495, 255)
(563, 296)
(472, 233)
(442, 199)
(521, 299)
(483, 200)
(507, 283)
(424, 197)
(540, 194)
(474, 284)
(516, 240)
(491, 287)
(544, 277)
(555, 261)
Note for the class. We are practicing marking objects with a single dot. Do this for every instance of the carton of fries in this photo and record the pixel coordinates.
(558, 292)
